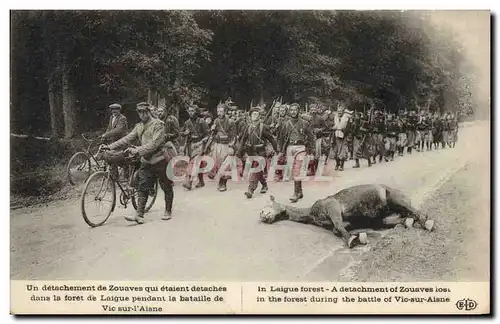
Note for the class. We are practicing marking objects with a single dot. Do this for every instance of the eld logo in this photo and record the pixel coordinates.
(466, 304)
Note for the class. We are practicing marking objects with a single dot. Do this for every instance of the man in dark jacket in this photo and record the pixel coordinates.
(117, 126)
(253, 141)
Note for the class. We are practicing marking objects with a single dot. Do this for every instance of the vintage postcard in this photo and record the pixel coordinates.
(250, 162)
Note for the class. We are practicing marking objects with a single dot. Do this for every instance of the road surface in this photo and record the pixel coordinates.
(218, 236)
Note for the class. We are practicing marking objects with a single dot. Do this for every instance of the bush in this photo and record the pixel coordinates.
(38, 166)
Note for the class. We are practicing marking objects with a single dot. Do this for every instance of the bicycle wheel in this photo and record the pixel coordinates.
(151, 198)
(78, 168)
(98, 198)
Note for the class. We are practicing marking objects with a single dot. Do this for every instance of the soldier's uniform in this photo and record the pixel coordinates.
(429, 135)
(402, 141)
(437, 131)
(422, 130)
(454, 130)
(340, 149)
(276, 124)
(322, 138)
(254, 139)
(391, 132)
(378, 131)
(296, 140)
(361, 139)
(195, 130)
(151, 135)
(411, 129)
(223, 132)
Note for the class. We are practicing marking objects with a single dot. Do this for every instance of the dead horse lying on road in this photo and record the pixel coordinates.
(364, 206)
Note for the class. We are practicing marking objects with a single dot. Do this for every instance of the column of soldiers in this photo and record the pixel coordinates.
(345, 134)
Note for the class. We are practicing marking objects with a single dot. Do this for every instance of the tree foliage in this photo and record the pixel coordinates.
(391, 58)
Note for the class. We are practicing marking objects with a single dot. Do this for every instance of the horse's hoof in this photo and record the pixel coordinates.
(363, 238)
(351, 241)
(271, 197)
(429, 225)
(409, 222)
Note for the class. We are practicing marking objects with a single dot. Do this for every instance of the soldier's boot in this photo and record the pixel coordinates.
(337, 163)
(380, 158)
(188, 184)
(249, 193)
(251, 188)
(297, 194)
(142, 199)
(356, 165)
(223, 184)
(409, 150)
(341, 168)
(264, 188)
(201, 181)
(374, 160)
(369, 162)
(169, 200)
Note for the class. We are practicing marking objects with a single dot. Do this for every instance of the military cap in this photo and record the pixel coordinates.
(143, 106)
(256, 109)
(115, 106)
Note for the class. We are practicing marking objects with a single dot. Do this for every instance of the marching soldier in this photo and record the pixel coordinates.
(318, 125)
(171, 127)
(401, 122)
(419, 134)
(296, 140)
(437, 130)
(255, 137)
(340, 149)
(429, 135)
(361, 139)
(378, 130)
(454, 130)
(391, 137)
(411, 129)
(224, 138)
(195, 131)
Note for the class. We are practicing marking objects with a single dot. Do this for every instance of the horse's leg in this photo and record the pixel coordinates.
(333, 210)
(398, 202)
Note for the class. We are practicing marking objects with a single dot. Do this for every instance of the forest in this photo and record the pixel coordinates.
(68, 66)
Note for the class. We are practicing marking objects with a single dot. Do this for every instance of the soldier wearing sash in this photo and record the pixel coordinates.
(224, 137)
(391, 132)
(340, 150)
(411, 129)
(402, 141)
(253, 141)
(361, 139)
(322, 140)
(378, 131)
(195, 131)
(297, 140)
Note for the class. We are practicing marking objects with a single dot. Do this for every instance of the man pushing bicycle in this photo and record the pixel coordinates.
(150, 132)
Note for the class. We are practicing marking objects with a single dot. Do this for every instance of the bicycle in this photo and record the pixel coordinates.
(104, 181)
(82, 163)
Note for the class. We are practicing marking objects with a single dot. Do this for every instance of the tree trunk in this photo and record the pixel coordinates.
(55, 104)
(70, 111)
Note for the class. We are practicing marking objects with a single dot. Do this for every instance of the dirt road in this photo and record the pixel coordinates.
(218, 236)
